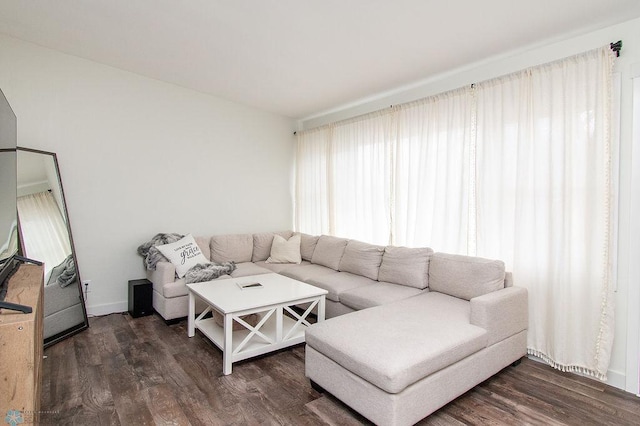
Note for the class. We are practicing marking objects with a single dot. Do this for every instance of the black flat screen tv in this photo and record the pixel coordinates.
(8, 188)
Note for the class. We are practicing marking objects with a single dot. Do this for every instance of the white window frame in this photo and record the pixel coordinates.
(633, 320)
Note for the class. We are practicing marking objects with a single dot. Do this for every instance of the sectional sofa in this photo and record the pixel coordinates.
(409, 329)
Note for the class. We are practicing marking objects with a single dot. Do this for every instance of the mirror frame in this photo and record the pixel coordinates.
(84, 325)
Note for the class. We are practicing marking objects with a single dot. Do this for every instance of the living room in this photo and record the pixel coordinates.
(141, 151)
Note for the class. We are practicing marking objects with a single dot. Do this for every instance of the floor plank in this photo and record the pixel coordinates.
(125, 370)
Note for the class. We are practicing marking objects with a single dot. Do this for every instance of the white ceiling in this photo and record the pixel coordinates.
(299, 57)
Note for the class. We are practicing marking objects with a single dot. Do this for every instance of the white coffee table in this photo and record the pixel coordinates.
(274, 331)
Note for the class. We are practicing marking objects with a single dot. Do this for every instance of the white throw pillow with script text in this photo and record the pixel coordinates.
(183, 254)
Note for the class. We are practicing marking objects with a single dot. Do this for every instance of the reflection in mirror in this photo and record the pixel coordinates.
(45, 236)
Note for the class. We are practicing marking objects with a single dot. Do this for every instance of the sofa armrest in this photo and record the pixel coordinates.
(502, 313)
(164, 273)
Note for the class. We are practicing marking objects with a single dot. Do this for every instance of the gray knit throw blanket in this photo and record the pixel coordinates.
(151, 255)
(65, 273)
(208, 271)
(199, 273)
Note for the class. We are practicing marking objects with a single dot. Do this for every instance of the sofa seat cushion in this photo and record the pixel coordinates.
(279, 267)
(248, 268)
(393, 346)
(376, 294)
(340, 282)
(306, 272)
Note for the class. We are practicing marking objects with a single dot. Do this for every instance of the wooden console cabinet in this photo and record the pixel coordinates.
(21, 346)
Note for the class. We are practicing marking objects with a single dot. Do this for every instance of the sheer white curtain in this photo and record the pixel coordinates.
(431, 197)
(398, 176)
(361, 179)
(312, 182)
(544, 202)
(343, 179)
(44, 231)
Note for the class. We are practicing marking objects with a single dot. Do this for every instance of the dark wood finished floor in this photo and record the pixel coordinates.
(139, 371)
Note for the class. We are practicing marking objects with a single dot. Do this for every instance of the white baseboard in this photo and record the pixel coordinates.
(106, 309)
(616, 379)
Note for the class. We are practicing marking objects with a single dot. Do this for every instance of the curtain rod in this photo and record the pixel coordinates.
(616, 47)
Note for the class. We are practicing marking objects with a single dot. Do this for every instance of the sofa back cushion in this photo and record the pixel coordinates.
(308, 245)
(203, 243)
(262, 244)
(329, 251)
(406, 266)
(232, 248)
(361, 259)
(465, 277)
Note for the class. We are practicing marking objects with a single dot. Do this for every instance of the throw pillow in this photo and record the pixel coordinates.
(262, 244)
(183, 254)
(285, 251)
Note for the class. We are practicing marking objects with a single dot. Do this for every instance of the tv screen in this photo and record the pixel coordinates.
(8, 176)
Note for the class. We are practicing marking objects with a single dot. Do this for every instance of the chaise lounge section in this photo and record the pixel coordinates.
(399, 362)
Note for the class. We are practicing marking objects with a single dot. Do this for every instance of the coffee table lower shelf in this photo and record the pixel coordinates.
(279, 326)
(256, 345)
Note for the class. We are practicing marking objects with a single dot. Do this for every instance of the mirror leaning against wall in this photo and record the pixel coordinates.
(45, 235)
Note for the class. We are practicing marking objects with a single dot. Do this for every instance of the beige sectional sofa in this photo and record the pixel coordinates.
(422, 327)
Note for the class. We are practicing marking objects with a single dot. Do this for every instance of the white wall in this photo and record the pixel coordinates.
(138, 156)
(623, 372)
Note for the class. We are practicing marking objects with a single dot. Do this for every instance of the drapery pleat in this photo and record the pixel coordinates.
(517, 168)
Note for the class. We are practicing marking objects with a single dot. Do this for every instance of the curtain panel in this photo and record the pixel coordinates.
(431, 172)
(544, 202)
(312, 198)
(517, 168)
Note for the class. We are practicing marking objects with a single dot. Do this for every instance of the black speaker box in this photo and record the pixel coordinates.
(140, 298)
